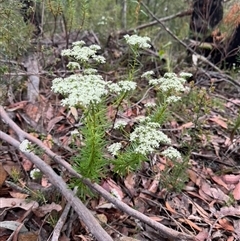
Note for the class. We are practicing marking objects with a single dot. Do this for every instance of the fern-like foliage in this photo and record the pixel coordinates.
(90, 161)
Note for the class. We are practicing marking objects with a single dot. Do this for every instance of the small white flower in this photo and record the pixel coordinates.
(73, 65)
(148, 74)
(127, 85)
(89, 71)
(147, 137)
(119, 123)
(185, 75)
(135, 40)
(114, 148)
(172, 153)
(79, 43)
(75, 132)
(122, 86)
(150, 104)
(114, 87)
(172, 99)
(142, 118)
(25, 146)
(35, 173)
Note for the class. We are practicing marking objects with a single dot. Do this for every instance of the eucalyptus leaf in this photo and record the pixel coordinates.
(13, 225)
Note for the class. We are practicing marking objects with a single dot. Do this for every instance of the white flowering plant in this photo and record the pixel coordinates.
(88, 91)
(136, 43)
(170, 89)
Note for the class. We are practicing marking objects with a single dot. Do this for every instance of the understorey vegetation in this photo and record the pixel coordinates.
(119, 119)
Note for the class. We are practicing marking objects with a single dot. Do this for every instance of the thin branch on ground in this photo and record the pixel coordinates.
(58, 227)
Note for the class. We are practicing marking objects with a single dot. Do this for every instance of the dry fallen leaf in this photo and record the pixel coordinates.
(45, 209)
(226, 224)
(236, 192)
(3, 175)
(220, 121)
(17, 203)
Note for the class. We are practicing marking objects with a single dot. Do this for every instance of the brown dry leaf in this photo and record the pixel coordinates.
(32, 110)
(200, 210)
(48, 142)
(226, 224)
(169, 208)
(17, 203)
(155, 184)
(224, 211)
(45, 182)
(113, 188)
(202, 235)
(204, 188)
(63, 237)
(74, 112)
(215, 193)
(45, 209)
(156, 218)
(220, 121)
(102, 218)
(49, 112)
(192, 175)
(130, 183)
(53, 122)
(28, 236)
(231, 178)
(17, 106)
(18, 195)
(190, 223)
(217, 179)
(236, 192)
(3, 175)
(27, 165)
(10, 167)
(111, 112)
(186, 126)
(236, 224)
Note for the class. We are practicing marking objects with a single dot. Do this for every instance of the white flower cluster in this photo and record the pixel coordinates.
(80, 89)
(119, 123)
(147, 75)
(172, 99)
(169, 82)
(148, 137)
(150, 104)
(25, 146)
(135, 40)
(114, 148)
(84, 53)
(73, 65)
(172, 153)
(122, 86)
(185, 75)
(35, 173)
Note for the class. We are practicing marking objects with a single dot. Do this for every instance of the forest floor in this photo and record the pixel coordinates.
(205, 205)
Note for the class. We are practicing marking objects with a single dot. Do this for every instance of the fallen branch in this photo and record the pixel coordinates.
(163, 230)
(146, 25)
